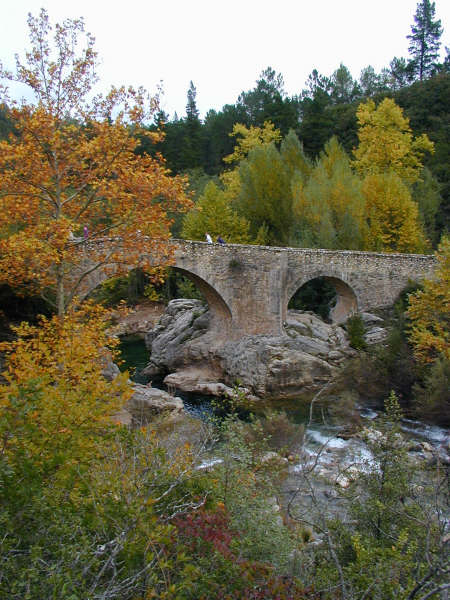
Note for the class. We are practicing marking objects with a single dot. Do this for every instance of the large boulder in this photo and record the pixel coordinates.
(204, 381)
(184, 321)
(283, 366)
(274, 367)
(148, 403)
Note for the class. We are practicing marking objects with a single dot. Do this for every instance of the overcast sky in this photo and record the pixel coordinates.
(223, 46)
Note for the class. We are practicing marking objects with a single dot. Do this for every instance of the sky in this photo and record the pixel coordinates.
(224, 46)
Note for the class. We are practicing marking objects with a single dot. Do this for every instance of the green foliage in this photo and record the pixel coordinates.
(355, 330)
(389, 544)
(330, 205)
(424, 40)
(281, 433)
(385, 367)
(177, 285)
(317, 295)
(267, 101)
(213, 214)
(429, 311)
(246, 480)
(265, 197)
(431, 400)
(426, 192)
(130, 288)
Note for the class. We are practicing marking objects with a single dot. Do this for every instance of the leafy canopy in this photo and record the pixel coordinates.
(386, 142)
(214, 214)
(71, 164)
(56, 404)
(429, 312)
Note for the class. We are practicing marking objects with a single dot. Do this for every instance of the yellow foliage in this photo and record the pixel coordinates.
(246, 140)
(392, 216)
(56, 402)
(386, 143)
(429, 312)
(213, 214)
(251, 137)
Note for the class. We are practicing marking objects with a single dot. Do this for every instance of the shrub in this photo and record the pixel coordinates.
(355, 330)
(431, 400)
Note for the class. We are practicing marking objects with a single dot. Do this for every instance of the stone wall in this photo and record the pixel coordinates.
(248, 288)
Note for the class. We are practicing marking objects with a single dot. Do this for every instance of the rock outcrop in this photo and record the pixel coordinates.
(148, 403)
(171, 342)
(276, 367)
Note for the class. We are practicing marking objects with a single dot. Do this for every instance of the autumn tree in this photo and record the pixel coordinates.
(429, 312)
(386, 143)
(213, 213)
(393, 216)
(55, 402)
(247, 138)
(70, 165)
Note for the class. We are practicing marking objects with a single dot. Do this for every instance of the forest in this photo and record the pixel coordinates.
(235, 506)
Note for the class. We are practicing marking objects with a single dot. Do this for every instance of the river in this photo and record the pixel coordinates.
(135, 357)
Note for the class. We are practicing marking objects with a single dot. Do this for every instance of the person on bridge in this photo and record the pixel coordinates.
(220, 240)
(208, 238)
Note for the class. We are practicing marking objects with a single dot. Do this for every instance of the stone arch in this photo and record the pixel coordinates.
(219, 309)
(346, 298)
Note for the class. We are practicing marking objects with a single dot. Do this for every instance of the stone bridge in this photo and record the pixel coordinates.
(248, 288)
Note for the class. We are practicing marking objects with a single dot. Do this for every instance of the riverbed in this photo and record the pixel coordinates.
(328, 438)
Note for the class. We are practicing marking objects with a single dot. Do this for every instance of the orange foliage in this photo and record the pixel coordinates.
(72, 164)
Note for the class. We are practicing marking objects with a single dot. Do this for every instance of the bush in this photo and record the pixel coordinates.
(431, 400)
(281, 433)
(355, 330)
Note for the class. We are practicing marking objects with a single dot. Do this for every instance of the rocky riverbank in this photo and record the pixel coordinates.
(306, 357)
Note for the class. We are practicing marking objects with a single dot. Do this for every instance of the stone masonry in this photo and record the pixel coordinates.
(248, 288)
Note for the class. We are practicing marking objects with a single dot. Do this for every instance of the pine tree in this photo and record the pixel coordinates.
(192, 139)
(192, 113)
(425, 39)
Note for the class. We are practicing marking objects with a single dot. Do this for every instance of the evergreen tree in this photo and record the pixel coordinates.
(401, 73)
(268, 101)
(192, 114)
(343, 87)
(424, 40)
(426, 192)
(192, 139)
(369, 82)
